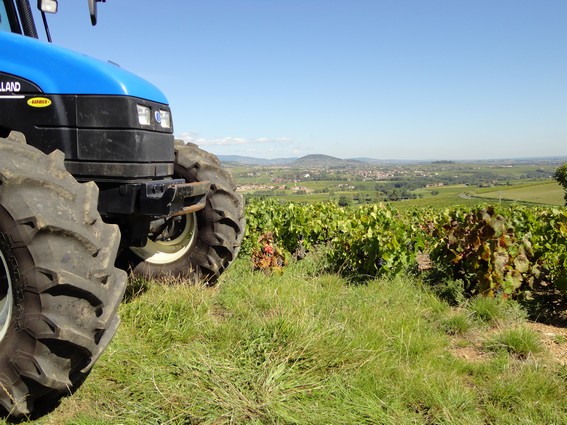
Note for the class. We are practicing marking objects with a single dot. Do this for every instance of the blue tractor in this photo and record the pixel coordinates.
(92, 184)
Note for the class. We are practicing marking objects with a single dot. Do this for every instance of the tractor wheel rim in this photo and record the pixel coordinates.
(7, 300)
(165, 252)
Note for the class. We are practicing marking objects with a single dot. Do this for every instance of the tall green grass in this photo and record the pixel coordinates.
(305, 347)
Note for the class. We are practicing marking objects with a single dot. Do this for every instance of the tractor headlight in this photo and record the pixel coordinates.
(47, 6)
(165, 118)
(144, 115)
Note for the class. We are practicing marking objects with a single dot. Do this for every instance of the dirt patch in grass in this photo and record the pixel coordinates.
(553, 339)
(471, 353)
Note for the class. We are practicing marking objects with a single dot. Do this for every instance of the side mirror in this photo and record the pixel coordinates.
(92, 9)
(47, 6)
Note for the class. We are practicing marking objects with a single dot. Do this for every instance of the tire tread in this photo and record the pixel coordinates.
(71, 289)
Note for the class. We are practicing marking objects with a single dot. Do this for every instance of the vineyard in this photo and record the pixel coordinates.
(504, 251)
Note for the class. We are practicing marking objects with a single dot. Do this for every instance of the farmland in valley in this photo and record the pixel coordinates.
(320, 178)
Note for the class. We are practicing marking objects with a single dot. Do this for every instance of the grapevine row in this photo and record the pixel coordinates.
(494, 250)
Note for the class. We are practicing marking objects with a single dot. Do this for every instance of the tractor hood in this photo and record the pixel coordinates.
(56, 70)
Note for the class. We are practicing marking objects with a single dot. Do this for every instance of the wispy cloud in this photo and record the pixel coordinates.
(230, 141)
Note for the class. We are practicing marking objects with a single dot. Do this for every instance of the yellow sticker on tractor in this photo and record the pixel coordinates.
(39, 102)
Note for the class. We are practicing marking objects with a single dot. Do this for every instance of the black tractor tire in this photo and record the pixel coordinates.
(59, 289)
(209, 239)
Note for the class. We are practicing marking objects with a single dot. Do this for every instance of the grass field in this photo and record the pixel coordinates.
(541, 193)
(305, 347)
(547, 193)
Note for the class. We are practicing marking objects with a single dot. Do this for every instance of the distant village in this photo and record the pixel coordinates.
(287, 179)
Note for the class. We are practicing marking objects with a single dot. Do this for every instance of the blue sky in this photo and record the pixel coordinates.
(397, 79)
